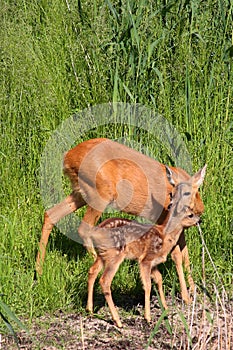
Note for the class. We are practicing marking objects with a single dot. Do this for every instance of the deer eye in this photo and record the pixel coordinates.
(169, 206)
(187, 193)
(190, 216)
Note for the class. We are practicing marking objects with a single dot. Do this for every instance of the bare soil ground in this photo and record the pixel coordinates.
(198, 326)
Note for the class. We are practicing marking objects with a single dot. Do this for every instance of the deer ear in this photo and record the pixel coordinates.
(170, 176)
(198, 178)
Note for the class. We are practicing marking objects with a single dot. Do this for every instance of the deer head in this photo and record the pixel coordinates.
(182, 201)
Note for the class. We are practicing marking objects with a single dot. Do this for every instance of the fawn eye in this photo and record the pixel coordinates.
(190, 216)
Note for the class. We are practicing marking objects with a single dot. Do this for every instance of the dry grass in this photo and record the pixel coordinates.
(200, 326)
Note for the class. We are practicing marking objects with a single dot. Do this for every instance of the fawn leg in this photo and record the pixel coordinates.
(177, 257)
(89, 220)
(51, 217)
(92, 275)
(105, 282)
(145, 272)
(157, 277)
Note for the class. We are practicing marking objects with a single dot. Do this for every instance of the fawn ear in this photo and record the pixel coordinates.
(170, 176)
(198, 178)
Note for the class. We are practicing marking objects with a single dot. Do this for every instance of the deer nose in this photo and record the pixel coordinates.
(199, 221)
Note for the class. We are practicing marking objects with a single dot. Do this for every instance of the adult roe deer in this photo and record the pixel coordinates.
(104, 172)
(120, 239)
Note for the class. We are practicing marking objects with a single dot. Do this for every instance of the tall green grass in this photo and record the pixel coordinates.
(60, 57)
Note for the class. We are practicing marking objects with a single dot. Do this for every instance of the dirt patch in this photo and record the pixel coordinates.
(198, 326)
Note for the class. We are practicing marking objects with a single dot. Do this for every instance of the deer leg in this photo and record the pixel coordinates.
(89, 220)
(51, 217)
(186, 262)
(176, 256)
(145, 272)
(157, 277)
(92, 275)
(105, 282)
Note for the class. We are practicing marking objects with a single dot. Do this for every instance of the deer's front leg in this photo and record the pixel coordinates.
(92, 275)
(186, 263)
(89, 220)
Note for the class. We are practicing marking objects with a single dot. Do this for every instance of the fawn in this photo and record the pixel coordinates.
(103, 172)
(119, 239)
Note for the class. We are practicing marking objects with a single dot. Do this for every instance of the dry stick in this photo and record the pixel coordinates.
(222, 303)
(174, 333)
(211, 260)
(192, 315)
(218, 321)
(204, 285)
(68, 5)
(82, 333)
(219, 325)
(230, 334)
(215, 269)
(225, 318)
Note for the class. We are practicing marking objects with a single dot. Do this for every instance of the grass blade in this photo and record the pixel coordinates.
(155, 330)
(186, 327)
(10, 328)
(11, 315)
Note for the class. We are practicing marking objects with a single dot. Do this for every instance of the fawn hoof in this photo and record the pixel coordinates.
(187, 299)
(118, 323)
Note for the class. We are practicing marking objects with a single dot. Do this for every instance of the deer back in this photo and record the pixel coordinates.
(106, 172)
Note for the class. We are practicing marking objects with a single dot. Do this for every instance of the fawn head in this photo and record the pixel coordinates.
(182, 201)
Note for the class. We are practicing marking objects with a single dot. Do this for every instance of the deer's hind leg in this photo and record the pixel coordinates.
(51, 217)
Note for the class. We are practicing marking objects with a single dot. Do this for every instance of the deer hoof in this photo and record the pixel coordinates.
(89, 309)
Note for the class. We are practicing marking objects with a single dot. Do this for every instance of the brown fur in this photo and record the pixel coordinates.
(104, 172)
(119, 239)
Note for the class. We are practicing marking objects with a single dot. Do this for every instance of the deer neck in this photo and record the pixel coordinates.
(172, 230)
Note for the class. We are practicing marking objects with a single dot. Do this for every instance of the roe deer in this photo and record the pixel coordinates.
(119, 239)
(104, 172)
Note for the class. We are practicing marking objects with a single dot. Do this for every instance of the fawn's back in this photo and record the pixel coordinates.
(117, 239)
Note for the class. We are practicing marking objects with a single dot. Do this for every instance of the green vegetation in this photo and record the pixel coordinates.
(60, 57)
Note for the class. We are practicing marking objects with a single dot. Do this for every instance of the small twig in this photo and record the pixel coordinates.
(192, 315)
(204, 285)
(211, 260)
(82, 333)
(68, 5)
